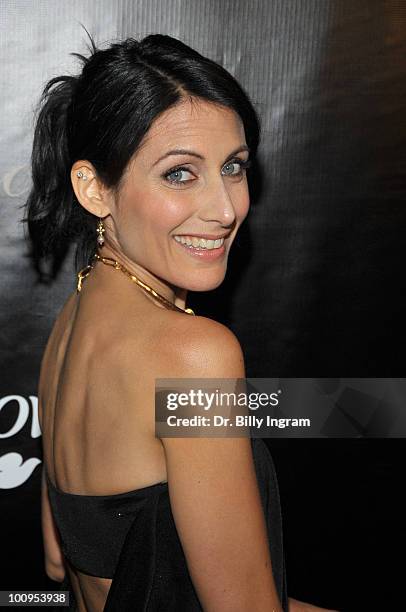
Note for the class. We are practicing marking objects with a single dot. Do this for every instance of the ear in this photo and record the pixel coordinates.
(88, 188)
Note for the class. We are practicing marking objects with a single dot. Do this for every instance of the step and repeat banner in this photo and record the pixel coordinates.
(316, 281)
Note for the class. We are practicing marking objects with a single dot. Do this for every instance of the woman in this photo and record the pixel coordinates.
(141, 160)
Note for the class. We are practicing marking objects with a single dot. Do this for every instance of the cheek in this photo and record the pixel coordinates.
(242, 203)
(168, 209)
(154, 211)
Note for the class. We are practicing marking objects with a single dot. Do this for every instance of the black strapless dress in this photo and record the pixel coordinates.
(132, 538)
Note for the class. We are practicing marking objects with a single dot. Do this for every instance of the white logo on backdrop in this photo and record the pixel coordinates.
(14, 471)
(16, 182)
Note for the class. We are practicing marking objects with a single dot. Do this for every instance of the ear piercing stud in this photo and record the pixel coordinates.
(81, 175)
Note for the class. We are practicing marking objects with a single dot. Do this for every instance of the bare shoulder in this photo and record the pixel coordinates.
(201, 347)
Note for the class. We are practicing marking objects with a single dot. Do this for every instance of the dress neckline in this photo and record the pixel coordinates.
(114, 495)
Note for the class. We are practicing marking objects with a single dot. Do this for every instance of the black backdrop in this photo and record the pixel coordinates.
(316, 283)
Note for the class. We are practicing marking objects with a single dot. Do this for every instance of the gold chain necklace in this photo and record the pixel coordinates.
(84, 272)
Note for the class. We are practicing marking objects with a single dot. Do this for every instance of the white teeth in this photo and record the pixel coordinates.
(202, 243)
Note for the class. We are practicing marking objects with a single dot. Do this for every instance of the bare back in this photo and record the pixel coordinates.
(97, 399)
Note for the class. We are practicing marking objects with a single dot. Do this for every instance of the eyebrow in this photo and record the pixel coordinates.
(194, 154)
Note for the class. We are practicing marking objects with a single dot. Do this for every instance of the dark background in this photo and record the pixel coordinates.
(316, 282)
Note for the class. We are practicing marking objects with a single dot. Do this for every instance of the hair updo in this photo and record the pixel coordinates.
(101, 115)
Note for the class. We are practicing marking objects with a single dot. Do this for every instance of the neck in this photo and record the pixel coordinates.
(175, 295)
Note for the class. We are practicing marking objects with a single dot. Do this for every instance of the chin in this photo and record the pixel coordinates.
(204, 282)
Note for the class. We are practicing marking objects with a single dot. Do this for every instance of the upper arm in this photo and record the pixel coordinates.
(214, 492)
(54, 560)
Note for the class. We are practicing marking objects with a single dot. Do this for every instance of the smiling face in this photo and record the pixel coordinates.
(187, 180)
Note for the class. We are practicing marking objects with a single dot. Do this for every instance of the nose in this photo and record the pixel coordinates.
(218, 205)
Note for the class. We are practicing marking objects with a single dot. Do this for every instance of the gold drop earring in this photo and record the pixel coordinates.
(100, 231)
(100, 226)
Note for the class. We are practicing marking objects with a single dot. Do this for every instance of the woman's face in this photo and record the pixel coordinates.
(187, 180)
